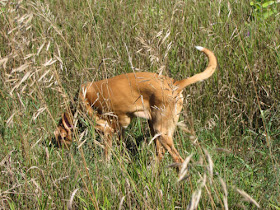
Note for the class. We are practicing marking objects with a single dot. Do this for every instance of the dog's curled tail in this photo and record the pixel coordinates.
(210, 69)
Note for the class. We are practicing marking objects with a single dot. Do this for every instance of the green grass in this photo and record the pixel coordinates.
(49, 48)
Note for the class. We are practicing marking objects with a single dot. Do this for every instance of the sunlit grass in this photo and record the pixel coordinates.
(49, 48)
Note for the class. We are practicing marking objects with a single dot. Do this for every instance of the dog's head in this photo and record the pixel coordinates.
(63, 132)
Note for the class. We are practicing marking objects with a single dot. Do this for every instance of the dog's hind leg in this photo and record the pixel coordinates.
(167, 142)
(165, 127)
(160, 151)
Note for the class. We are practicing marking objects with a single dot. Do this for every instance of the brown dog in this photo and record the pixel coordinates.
(111, 103)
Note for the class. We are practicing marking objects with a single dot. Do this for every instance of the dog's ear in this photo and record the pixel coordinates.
(67, 121)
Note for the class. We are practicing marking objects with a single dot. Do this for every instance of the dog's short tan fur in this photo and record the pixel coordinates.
(113, 102)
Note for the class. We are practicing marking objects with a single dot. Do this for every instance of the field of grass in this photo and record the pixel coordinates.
(49, 48)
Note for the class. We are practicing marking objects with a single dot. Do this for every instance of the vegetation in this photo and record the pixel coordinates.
(49, 48)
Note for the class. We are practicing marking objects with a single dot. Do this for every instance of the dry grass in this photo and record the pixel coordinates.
(230, 134)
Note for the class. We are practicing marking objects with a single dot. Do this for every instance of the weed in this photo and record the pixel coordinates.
(231, 143)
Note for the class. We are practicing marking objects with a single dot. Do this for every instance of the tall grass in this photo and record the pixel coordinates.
(49, 48)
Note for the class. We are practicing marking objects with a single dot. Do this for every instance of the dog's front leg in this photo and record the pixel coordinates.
(104, 128)
(100, 124)
(108, 145)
